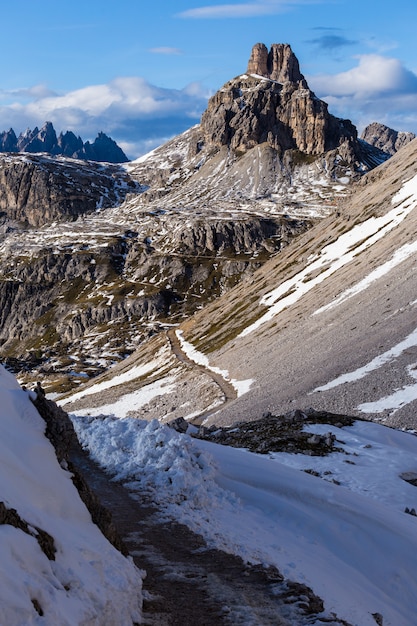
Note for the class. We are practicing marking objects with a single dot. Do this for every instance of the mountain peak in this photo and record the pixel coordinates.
(385, 138)
(67, 144)
(279, 64)
(281, 111)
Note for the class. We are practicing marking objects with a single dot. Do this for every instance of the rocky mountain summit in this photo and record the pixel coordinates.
(386, 139)
(273, 104)
(67, 144)
(261, 143)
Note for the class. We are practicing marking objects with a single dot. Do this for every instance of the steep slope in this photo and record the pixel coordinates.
(330, 323)
(327, 323)
(56, 566)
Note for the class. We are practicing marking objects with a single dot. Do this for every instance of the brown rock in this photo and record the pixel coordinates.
(279, 64)
(280, 111)
(386, 139)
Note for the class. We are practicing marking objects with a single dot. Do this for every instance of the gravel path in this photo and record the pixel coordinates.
(226, 387)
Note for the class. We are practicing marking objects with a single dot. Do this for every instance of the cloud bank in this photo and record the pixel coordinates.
(137, 114)
(377, 89)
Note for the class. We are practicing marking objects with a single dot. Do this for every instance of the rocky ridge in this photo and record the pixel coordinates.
(386, 139)
(67, 144)
(39, 189)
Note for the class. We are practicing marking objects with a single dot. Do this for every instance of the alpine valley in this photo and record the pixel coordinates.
(229, 320)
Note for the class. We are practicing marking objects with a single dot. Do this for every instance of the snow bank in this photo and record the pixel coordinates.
(352, 543)
(154, 459)
(89, 582)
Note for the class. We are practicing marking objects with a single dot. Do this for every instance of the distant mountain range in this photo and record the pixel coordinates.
(67, 144)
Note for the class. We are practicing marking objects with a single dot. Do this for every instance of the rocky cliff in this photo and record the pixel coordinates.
(273, 104)
(38, 189)
(68, 144)
(386, 139)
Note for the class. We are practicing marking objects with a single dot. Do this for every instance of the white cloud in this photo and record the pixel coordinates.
(28, 93)
(165, 50)
(243, 9)
(134, 112)
(373, 76)
(377, 89)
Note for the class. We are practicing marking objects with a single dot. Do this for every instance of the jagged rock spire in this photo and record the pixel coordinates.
(282, 112)
(279, 64)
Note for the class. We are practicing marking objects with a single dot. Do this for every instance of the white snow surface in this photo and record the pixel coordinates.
(351, 542)
(124, 377)
(89, 582)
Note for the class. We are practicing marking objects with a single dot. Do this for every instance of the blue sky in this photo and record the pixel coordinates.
(143, 71)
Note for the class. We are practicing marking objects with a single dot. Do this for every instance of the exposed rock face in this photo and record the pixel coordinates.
(280, 109)
(104, 148)
(38, 189)
(278, 433)
(386, 139)
(51, 299)
(67, 144)
(279, 64)
(61, 433)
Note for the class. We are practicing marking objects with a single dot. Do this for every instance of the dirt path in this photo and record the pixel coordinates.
(226, 386)
(188, 584)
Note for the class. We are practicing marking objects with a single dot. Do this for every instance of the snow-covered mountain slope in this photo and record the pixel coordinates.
(342, 531)
(56, 567)
(329, 322)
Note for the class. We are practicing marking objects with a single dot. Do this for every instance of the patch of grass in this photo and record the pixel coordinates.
(301, 158)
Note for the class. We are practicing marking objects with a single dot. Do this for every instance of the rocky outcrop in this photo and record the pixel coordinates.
(272, 104)
(38, 189)
(50, 301)
(278, 433)
(279, 64)
(386, 139)
(67, 144)
(61, 433)
(12, 518)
